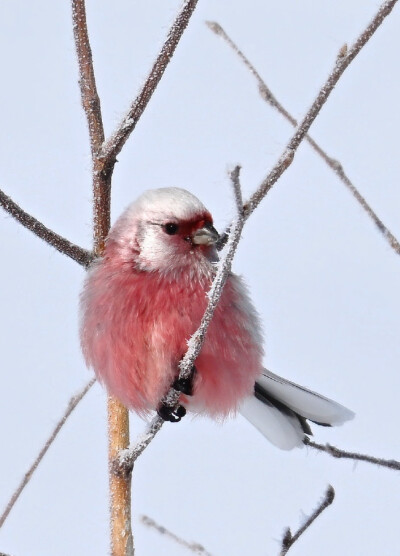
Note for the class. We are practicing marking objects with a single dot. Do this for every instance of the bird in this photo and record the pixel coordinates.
(143, 300)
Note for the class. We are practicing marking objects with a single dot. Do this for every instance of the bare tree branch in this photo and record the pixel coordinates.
(104, 158)
(91, 104)
(302, 129)
(192, 546)
(127, 458)
(342, 454)
(114, 144)
(289, 539)
(334, 164)
(73, 402)
(87, 81)
(81, 256)
(118, 417)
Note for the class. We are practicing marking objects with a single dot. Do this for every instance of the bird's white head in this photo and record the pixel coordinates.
(165, 230)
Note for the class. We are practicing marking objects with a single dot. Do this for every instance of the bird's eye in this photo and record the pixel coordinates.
(171, 228)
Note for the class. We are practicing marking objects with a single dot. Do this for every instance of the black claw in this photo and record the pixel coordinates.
(170, 414)
(185, 385)
(180, 411)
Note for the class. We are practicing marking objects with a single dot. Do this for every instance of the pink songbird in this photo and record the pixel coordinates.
(142, 301)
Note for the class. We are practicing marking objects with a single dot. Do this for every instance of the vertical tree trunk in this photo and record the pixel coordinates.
(119, 481)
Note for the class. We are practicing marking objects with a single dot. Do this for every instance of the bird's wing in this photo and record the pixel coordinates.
(279, 409)
(306, 403)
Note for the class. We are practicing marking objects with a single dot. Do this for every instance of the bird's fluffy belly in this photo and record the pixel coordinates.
(142, 328)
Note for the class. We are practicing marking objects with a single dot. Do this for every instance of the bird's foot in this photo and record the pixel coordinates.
(186, 385)
(171, 414)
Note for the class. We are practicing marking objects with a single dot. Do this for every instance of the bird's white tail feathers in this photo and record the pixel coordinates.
(279, 409)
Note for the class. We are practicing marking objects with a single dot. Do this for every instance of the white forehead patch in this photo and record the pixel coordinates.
(167, 202)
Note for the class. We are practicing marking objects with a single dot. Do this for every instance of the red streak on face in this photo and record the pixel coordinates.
(188, 227)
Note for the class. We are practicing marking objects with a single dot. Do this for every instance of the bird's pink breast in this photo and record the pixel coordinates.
(134, 331)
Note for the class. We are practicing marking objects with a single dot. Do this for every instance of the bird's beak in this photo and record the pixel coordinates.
(205, 236)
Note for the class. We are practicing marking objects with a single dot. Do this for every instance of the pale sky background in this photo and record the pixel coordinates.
(322, 277)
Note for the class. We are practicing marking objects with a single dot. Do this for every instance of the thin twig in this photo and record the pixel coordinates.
(114, 144)
(289, 539)
(343, 454)
(196, 341)
(73, 402)
(237, 189)
(301, 130)
(127, 458)
(81, 256)
(192, 546)
(334, 164)
(87, 81)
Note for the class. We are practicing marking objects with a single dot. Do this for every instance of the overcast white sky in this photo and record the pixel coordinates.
(324, 280)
